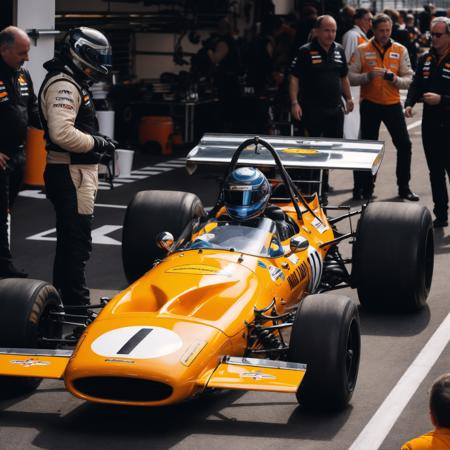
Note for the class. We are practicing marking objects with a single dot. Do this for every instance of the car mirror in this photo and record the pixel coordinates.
(164, 240)
(298, 244)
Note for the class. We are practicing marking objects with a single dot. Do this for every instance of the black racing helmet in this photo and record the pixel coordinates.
(88, 51)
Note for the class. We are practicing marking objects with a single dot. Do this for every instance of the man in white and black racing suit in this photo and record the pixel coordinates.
(74, 149)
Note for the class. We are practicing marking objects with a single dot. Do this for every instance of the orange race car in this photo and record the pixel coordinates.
(236, 297)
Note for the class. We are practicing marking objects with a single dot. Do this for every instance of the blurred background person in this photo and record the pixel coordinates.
(18, 109)
(432, 84)
(317, 83)
(382, 67)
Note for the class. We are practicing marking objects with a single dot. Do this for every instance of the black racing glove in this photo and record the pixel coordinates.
(104, 147)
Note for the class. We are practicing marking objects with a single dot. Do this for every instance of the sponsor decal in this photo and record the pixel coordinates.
(3, 94)
(63, 106)
(293, 258)
(258, 375)
(117, 360)
(313, 52)
(64, 91)
(22, 80)
(64, 98)
(394, 66)
(371, 63)
(137, 342)
(86, 98)
(29, 362)
(319, 226)
(317, 61)
(276, 274)
(6, 99)
(298, 275)
(195, 269)
(192, 352)
(300, 151)
(394, 55)
(261, 264)
(370, 54)
(316, 57)
(446, 70)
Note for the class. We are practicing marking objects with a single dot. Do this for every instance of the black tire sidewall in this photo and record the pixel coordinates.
(149, 213)
(391, 270)
(22, 303)
(319, 339)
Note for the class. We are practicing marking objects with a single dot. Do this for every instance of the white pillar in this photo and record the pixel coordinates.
(39, 14)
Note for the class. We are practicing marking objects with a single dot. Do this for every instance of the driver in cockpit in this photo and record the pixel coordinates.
(246, 194)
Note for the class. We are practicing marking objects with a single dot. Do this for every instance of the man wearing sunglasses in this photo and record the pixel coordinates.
(432, 84)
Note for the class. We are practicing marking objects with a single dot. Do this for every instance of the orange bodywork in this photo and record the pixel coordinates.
(163, 339)
(204, 298)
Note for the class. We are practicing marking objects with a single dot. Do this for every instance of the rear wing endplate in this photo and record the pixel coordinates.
(294, 152)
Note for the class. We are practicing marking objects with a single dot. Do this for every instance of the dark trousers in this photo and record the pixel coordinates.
(10, 184)
(321, 123)
(436, 144)
(392, 116)
(73, 236)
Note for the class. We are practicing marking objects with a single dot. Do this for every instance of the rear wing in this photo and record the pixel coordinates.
(294, 152)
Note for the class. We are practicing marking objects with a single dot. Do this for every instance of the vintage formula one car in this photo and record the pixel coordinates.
(225, 303)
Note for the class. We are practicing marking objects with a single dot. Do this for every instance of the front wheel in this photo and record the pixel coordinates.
(326, 337)
(26, 321)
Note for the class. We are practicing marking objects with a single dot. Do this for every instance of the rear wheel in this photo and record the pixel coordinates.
(149, 213)
(26, 322)
(326, 336)
(393, 257)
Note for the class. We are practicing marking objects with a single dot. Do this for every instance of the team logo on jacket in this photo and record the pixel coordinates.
(394, 55)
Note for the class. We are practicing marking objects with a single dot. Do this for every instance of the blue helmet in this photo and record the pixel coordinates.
(246, 193)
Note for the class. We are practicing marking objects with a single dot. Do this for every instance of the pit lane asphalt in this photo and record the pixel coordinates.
(53, 419)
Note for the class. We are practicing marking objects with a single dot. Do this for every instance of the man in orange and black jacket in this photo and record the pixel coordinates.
(18, 109)
(432, 84)
(382, 67)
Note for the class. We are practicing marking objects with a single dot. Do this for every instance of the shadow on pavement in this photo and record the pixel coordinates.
(395, 324)
(219, 414)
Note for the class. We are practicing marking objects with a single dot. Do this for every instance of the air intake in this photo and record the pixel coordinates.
(123, 389)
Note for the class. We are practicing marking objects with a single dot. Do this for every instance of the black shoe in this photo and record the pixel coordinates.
(12, 272)
(368, 196)
(440, 223)
(407, 194)
(357, 195)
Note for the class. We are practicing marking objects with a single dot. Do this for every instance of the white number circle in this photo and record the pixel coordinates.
(137, 342)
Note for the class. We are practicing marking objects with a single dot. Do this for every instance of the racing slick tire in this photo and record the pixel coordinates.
(149, 213)
(24, 320)
(393, 257)
(326, 337)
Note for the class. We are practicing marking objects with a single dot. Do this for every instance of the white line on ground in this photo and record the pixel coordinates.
(414, 125)
(375, 432)
(105, 205)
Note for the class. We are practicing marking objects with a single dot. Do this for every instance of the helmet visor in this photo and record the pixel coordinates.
(242, 196)
(97, 57)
